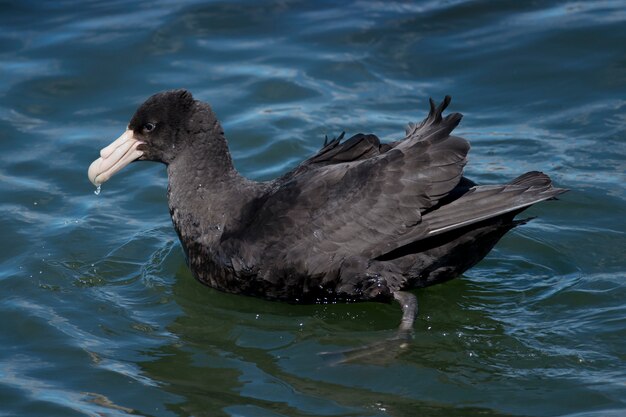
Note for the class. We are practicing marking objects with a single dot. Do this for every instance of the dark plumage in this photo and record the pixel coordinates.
(359, 220)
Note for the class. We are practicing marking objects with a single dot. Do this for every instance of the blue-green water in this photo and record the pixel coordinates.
(99, 314)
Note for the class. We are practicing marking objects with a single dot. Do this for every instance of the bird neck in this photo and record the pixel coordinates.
(207, 195)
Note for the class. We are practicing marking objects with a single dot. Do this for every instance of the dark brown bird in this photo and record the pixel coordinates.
(358, 221)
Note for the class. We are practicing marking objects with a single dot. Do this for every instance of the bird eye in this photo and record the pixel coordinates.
(149, 127)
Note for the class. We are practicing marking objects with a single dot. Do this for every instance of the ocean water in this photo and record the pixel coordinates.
(101, 317)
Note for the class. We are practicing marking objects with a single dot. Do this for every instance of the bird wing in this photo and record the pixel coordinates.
(342, 204)
(358, 147)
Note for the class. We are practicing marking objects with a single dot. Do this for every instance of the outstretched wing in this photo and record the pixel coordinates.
(344, 202)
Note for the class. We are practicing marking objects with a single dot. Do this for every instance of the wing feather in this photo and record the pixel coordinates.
(359, 197)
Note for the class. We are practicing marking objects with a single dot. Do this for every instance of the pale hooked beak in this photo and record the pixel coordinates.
(114, 157)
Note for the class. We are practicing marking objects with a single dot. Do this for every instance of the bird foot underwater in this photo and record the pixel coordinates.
(386, 350)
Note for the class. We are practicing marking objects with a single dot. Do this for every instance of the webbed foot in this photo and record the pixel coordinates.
(387, 349)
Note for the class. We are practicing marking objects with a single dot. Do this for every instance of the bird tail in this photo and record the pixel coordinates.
(489, 201)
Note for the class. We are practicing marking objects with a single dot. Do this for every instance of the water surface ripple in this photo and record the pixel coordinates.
(100, 316)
